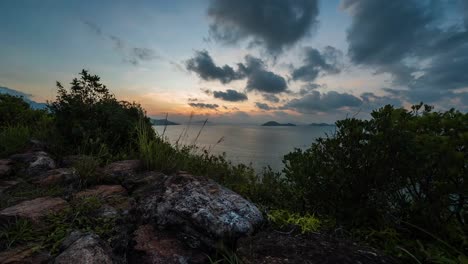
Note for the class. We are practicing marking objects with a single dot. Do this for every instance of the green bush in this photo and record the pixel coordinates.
(13, 139)
(307, 223)
(89, 114)
(398, 167)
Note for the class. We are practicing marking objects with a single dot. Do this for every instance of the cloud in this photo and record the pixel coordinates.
(258, 77)
(132, 55)
(323, 102)
(203, 65)
(315, 62)
(413, 40)
(26, 97)
(230, 95)
(271, 98)
(264, 106)
(204, 106)
(307, 88)
(273, 24)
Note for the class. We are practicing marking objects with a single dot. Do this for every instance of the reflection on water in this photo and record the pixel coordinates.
(258, 145)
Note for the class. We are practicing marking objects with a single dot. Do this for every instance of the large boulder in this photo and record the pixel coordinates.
(199, 207)
(154, 246)
(57, 176)
(36, 162)
(118, 171)
(34, 209)
(102, 191)
(84, 249)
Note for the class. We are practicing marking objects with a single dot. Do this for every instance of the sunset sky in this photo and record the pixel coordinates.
(243, 61)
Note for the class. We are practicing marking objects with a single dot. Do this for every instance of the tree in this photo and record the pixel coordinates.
(88, 114)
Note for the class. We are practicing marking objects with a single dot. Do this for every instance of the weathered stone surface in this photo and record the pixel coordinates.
(116, 172)
(57, 176)
(6, 167)
(200, 207)
(85, 249)
(34, 209)
(156, 247)
(23, 254)
(37, 162)
(5, 185)
(102, 191)
(270, 246)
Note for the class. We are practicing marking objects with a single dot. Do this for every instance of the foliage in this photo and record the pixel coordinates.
(88, 112)
(18, 231)
(399, 166)
(19, 123)
(86, 167)
(15, 111)
(27, 191)
(13, 139)
(282, 218)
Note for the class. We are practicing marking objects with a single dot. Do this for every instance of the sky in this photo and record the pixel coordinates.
(243, 61)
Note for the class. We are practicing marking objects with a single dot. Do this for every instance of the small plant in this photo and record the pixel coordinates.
(15, 232)
(86, 167)
(307, 223)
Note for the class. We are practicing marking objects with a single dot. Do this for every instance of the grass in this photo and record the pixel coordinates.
(18, 231)
(26, 191)
(13, 138)
(49, 234)
(306, 223)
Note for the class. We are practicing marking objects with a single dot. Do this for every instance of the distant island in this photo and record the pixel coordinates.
(163, 122)
(274, 123)
(321, 124)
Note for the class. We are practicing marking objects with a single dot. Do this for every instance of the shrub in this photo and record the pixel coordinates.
(88, 112)
(399, 166)
(13, 139)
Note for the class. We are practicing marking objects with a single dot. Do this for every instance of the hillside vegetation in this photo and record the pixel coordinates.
(397, 182)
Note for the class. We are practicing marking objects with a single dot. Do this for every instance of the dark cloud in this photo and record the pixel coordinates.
(271, 98)
(230, 95)
(193, 99)
(425, 53)
(307, 88)
(203, 65)
(372, 101)
(384, 32)
(264, 106)
(204, 106)
(315, 62)
(274, 24)
(323, 102)
(259, 78)
(132, 55)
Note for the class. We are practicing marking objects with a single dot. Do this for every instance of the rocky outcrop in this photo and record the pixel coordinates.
(271, 246)
(34, 209)
(151, 217)
(84, 249)
(201, 208)
(36, 162)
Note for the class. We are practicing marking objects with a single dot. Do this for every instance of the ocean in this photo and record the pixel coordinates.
(249, 144)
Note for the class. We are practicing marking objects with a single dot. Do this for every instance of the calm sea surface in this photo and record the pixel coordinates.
(258, 145)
